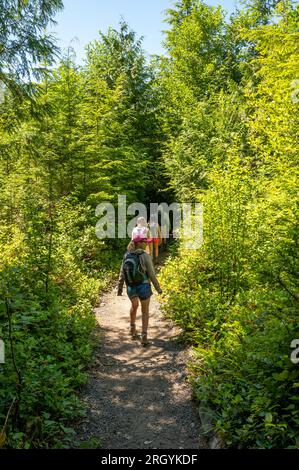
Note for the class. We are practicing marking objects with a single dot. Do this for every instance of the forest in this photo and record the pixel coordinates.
(215, 121)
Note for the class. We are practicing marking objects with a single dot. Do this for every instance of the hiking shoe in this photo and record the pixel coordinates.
(144, 340)
(133, 332)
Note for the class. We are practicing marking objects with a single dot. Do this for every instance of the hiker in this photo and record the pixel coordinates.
(141, 230)
(155, 236)
(165, 226)
(137, 271)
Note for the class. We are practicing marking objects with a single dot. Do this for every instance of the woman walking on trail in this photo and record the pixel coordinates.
(165, 226)
(137, 271)
(155, 236)
(141, 229)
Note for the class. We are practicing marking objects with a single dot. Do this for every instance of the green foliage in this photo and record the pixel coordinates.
(118, 115)
(24, 45)
(216, 122)
(234, 150)
(89, 137)
(48, 340)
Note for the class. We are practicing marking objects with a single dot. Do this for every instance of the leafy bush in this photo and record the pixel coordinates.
(47, 334)
(228, 299)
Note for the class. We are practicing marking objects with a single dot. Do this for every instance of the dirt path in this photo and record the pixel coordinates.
(139, 398)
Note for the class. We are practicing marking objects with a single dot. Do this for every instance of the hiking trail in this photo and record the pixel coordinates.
(139, 398)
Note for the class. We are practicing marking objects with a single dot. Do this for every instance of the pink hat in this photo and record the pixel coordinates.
(139, 238)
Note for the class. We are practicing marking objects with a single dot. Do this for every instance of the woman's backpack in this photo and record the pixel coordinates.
(132, 269)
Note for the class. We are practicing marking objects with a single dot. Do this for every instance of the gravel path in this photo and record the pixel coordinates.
(139, 398)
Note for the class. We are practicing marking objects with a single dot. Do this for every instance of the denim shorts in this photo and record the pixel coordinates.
(142, 291)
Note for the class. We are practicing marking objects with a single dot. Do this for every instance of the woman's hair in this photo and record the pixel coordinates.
(131, 246)
(141, 221)
(140, 245)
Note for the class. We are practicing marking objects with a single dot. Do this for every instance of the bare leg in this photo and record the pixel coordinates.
(156, 250)
(145, 314)
(133, 310)
(151, 249)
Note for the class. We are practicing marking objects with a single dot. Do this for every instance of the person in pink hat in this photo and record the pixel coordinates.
(137, 272)
(141, 229)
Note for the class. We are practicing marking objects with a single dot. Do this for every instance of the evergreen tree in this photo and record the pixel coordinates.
(24, 45)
